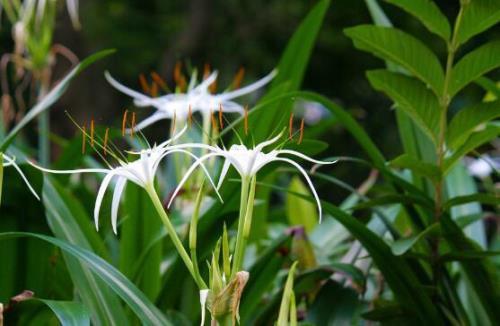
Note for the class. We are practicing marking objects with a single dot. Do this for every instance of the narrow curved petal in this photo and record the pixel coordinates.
(305, 157)
(68, 171)
(230, 107)
(117, 194)
(125, 90)
(203, 302)
(223, 172)
(24, 179)
(7, 160)
(309, 182)
(248, 89)
(201, 164)
(268, 142)
(100, 197)
(188, 173)
(196, 145)
(157, 116)
(206, 83)
(175, 137)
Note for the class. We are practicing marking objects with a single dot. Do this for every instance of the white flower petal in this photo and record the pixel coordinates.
(305, 157)
(117, 194)
(124, 89)
(203, 302)
(13, 163)
(248, 89)
(188, 173)
(203, 86)
(100, 197)
(68, 171)
(223, 172)
(157, 116)
(309, 182)
(261, 146)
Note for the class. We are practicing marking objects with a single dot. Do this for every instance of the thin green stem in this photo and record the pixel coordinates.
(193, 233)
(239, 250)
(44, 121)
(173, 235)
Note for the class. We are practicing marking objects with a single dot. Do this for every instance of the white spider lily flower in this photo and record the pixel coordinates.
(141, 172)
(197, 99)
(11, 161)
(248, 161)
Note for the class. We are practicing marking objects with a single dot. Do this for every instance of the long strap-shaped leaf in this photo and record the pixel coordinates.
(137, 301)
(52, 96)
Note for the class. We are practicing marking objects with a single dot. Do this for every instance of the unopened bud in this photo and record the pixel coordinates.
(227, 302)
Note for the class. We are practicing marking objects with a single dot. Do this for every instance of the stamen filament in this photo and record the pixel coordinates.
(132, 126)
(158, 80)
(174, 121)
(84, 140)
(206, 71)
(92, 132)
(221, 122)
(154, 89)
(238, 78)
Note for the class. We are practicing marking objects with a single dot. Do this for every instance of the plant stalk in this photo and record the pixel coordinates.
(44, 120)
(173, 235)
(239, 250)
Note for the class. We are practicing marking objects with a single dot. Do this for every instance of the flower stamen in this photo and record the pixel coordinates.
(144, 84)
(221, 122)
(84, 139)
(106, 135)
(246, 120)
(214, 122)
(92, 132)
(154, 89)
(158, 80)
(124, 122)
(301, 135)
(132, 125)
(179, 79)
(238, 78)
(174, 121)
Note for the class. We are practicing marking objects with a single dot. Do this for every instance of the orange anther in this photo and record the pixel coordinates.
(190, 116)
(154, 89)
(174, 121)
(290, 127)
(238, 78)
(132, 125)
(214, 123)
(179, 78)
(206, 71)
(124, 122)
(246, 119)
(156, 77)
(84, 136)
(221, 120)
(213, 87)
(144, 84)
(106, 135)
(92, 132)
(301, 135)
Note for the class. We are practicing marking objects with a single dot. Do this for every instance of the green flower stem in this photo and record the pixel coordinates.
(173, 235)
(245, 201)
(249, 213)
(193, 233)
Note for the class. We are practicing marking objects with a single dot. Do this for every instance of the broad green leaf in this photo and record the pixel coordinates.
(401, 246)
(473, 65)
(291, 70)
(411, 96)
(401, 48)
(138, 229)
(52, 96)
(492, 88)
(135, 299)
(468, 119)
(103, 303)
(478, 16)
(428, 13)
(428, 170)
(468, 255)
(69, 313)
(300, 211)
(482, 274)
(476, 139)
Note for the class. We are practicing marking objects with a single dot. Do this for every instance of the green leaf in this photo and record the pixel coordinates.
(480, 198)
(401, 48)
(428, 13)
(300, 211)
(103, 303)
(398, 274)
(388, 312)
(468, 119)
(482, 274)
(136, 300)
(53, 96)
(411, 96)
(478, 16)
(401, 246)
(286, 300)
(477, 139)
(473, 65)
(428, 170)
(69, 313)
(467, 255)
